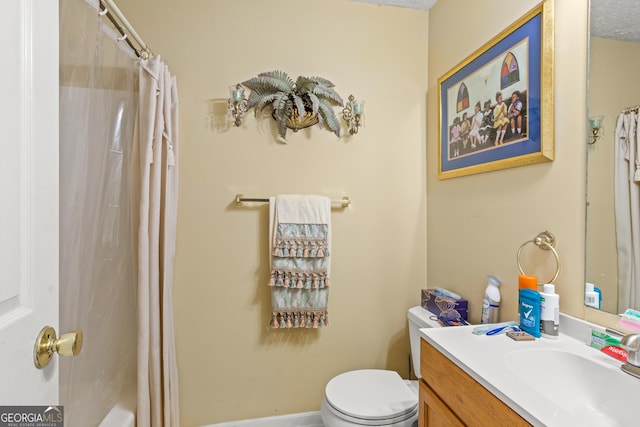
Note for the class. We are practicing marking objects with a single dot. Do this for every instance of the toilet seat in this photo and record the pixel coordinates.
(371, 397)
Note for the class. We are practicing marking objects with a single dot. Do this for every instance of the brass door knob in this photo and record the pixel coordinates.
(46, 344)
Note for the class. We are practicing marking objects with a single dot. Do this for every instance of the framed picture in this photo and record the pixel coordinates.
(496, 107)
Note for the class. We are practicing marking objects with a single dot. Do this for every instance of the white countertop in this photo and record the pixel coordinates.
(483, 358)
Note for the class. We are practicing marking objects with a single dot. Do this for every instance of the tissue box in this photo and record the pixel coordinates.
(442, 306)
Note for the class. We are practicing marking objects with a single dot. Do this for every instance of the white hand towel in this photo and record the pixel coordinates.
(300, 246)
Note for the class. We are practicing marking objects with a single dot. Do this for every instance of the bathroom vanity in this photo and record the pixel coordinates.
(472, 379)
(450, 397)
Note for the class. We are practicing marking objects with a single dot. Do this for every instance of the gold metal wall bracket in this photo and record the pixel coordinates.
(545, 240)
(46, 344)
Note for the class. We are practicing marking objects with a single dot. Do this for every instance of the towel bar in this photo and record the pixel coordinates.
(240, 199)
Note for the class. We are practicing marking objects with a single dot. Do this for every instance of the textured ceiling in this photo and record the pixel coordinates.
(611, 19)
(616, 19)
(413, 4)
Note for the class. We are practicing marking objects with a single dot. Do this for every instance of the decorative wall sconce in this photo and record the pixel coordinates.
(595, 124)
(237, 104)
(294, 104)
(353, 114)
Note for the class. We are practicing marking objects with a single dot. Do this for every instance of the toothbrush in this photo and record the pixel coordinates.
(481, 330)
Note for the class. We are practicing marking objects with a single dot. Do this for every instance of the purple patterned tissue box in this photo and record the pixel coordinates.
(443, 306)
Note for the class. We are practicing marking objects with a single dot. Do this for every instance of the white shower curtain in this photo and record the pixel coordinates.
(118, 201)
(98, 220)
(627, 209)
(157, 369)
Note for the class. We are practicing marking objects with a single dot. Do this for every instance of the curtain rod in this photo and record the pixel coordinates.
(109, 8)
(345, 202)
(630, 109)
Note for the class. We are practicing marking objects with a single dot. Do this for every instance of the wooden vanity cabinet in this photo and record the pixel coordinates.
(450, 397)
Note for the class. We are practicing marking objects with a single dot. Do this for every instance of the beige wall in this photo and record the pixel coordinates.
(231, 366)
(477, 223)
(609, 93)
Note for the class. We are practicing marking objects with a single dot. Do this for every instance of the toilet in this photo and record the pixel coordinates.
(378, 397)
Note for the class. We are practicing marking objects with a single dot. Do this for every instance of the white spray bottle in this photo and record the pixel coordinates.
(491, 302)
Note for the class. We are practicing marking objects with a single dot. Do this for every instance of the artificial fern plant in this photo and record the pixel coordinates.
(310, 97)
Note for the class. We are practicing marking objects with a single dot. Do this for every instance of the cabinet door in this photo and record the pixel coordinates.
(471, 403)
(434, 412)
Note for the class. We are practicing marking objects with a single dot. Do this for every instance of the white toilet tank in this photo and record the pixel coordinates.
(419, 318)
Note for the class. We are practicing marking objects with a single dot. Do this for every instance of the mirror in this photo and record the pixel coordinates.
(613, 88)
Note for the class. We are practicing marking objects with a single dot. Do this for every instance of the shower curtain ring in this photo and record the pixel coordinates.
(124, 36)
(103, 11)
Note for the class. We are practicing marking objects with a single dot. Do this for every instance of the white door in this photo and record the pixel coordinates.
(28, 197)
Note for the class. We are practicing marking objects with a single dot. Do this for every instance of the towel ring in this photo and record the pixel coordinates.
(545, 241)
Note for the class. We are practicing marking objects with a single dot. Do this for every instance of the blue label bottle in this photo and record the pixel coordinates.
(529, 302)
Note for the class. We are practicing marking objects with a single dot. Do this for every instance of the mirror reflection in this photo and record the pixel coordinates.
(613, 168)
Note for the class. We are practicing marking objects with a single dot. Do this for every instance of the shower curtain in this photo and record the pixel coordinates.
(98, 106)
(118, 177)
(627, 209)
(158, 401)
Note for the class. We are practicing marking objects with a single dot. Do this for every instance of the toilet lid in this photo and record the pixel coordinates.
(372, 394)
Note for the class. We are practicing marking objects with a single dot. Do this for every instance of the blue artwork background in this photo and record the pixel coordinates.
(533, 30)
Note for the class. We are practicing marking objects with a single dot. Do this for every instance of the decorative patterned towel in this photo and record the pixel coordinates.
(300, 245)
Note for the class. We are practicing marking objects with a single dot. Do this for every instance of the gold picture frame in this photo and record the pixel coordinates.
(479, 133)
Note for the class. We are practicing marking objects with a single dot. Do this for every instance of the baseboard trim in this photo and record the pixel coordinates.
(304, 419)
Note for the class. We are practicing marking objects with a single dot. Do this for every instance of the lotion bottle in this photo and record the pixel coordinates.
(549, 312)
(491, 302)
